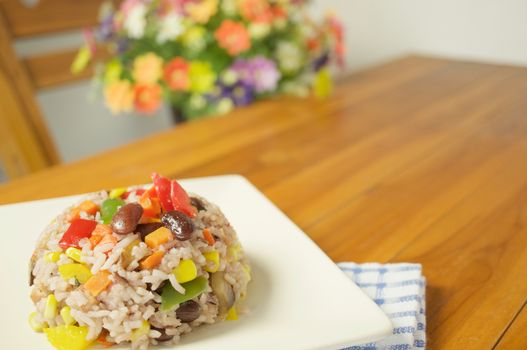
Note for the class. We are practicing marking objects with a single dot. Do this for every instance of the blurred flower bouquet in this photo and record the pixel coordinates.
(208, 56)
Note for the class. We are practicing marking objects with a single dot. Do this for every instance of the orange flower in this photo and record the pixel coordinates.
(233, 37)
(147, 98)
(119, 96)
(176, 74)
(256, 10)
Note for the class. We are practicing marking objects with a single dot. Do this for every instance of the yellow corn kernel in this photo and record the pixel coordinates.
(232, 315)
(117, 192)
(52, 256)
(139, 332)
(78, 271)
(127, 256)
(186, 271)
(247, 270)
(233, 252)
(65, 313)
(50, 310)
(74, 254)
(68, 337)
(35, 323)
(213, 261)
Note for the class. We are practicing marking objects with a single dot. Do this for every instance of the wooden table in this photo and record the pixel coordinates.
(420, 160)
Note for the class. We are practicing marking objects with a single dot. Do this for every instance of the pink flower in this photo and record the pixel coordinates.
(259, 72)
(336, 30)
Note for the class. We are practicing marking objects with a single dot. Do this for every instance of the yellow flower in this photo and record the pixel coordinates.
(202, 77)
(194, 38)
(202, 11)
(81, 60)
(147, 68)
(112, 71)
(119, 96)
(323, 84)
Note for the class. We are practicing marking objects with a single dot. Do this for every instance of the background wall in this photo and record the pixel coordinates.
(377, 31)
(481, 30)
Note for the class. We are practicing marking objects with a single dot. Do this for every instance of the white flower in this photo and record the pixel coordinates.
(290, 57)
(229, 7)
(169, 28)
(197, 101)
(135, 22)
(225, 105)
(259, 30)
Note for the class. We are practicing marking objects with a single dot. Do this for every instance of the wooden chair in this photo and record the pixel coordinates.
(25, 143)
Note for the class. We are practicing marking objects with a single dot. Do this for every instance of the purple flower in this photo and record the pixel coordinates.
(106, 28)
(122, 45)
(258, 72)
(321, 61)
(240, 93)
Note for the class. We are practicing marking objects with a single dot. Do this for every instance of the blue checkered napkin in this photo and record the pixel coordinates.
(399, 289)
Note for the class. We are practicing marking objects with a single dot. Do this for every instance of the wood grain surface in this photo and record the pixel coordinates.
(48, 16)
(420, 160)
(54, 69)
(25, 144)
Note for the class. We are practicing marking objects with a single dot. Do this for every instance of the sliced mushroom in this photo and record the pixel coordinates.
(223, 291)
(197, 203)
(30, 268)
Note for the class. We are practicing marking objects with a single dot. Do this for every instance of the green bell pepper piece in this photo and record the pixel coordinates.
(109, 207)
(170, 298)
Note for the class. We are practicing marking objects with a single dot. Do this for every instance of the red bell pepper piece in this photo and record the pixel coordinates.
(125, 195)
(181, 200)
(79, 229)
(152, 192)
(162, 186)
(138, 192)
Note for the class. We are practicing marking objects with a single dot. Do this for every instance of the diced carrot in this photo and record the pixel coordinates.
(153, 260)
(108, 240)
(74, 214)
(98, 282)
(208, 236)
(146, 220)
(158, 237)
(102, 230)
(151, 206)
(94, 240)
(103, 340)
(89, 207)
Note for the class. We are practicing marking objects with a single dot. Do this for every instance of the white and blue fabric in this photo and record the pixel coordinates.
(399, 290)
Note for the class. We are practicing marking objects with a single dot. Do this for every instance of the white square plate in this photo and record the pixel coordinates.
(298, 298)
